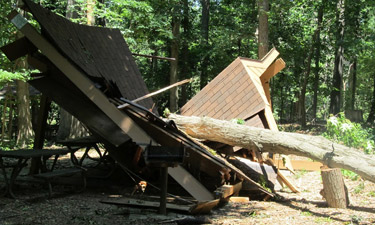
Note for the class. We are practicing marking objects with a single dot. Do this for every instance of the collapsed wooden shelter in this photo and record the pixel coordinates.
(90, 71)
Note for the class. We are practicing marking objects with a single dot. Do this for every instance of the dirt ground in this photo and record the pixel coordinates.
(308, 207)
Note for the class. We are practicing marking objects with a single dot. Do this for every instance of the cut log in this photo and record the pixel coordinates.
(315, 147)
(334, 188)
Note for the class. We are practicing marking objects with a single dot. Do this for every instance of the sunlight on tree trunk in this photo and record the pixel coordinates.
(25, 131)
(173, 76)
(263, 6)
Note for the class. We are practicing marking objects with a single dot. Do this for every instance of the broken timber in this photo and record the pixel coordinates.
(80, 82)
(314, 147)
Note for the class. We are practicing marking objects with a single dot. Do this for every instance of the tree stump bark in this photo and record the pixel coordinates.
(334, 190)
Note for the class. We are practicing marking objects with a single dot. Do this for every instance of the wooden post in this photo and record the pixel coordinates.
(334, 190)
(45, 103)
(163, 190)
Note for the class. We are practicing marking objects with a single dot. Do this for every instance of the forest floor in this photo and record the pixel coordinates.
(308, 207)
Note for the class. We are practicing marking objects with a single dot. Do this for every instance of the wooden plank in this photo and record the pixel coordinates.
(227, 190)
(191, 185)
(271, 71)
(205, 207)
(270, 57)
(144, 203)
(156, 92)
(270, 119)
(239, 199)
(300, 165)
(18, 48)
(287, 182)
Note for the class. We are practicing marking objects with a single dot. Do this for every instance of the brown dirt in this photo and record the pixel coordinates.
(308, 207)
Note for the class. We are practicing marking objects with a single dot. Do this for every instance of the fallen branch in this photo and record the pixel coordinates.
(314, 147)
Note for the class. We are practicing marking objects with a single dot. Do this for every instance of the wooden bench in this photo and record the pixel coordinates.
(49, 176)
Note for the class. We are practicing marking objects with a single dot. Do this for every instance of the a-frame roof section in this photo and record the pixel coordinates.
(237, 92)
(101, 53)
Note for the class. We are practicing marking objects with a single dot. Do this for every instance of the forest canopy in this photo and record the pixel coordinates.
(328, 47)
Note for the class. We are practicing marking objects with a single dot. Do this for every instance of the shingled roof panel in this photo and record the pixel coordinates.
(101, 53)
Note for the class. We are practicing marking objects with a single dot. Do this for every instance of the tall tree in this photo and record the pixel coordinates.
(173, 76)
(335, 104)
(263, 46)
(204, 41)
(25, 130)
(185, 52)
(371, 117)
(317, 60)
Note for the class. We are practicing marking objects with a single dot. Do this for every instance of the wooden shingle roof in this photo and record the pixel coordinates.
(101, 53)
(239, 91)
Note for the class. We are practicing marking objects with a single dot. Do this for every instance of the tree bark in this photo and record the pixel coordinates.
(173, 77)
(334, 188)
(314, 147)
(25, 130)
(335, 104)
(371, 117)
(317, 61)
(263, 8)
(204, 31)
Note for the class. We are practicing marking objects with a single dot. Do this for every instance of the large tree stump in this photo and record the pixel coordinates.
(334, 188)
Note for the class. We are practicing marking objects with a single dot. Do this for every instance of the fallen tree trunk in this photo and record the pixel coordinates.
(314, 147)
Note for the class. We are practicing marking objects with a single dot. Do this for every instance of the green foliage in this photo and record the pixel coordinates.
(349, 133)
(359, 188)
(6, 76)
(238, 121)
(349, 174)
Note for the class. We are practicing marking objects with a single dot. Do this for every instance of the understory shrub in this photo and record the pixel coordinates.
(350, 134)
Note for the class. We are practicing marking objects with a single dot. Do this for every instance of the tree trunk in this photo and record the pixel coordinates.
(314, 147)
(334, 190)
(185, 51)
(173, 77)
(335, 104)
(25, 130)
(302, 99)
(204, 42)
(317, 61)
(263, 8)
(350, 95)
(90, 12)
(371, 117)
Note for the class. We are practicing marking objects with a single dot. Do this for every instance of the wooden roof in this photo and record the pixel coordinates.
(101, 53)
(73, 85)
(240, 91)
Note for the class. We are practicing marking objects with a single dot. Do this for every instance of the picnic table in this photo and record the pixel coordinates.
(89, 143)
(22, 156)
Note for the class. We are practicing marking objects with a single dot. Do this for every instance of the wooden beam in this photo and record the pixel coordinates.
(44, 107)
(269, 58)
(154, 57)
(226, 191)
(18, 48)
(89, 89)
(300, 165)
(37, 63)
(271, 71)
(281, 177)
(191, 185)
(156, 92)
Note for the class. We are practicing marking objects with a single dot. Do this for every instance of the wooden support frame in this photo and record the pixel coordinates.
(194, 187)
